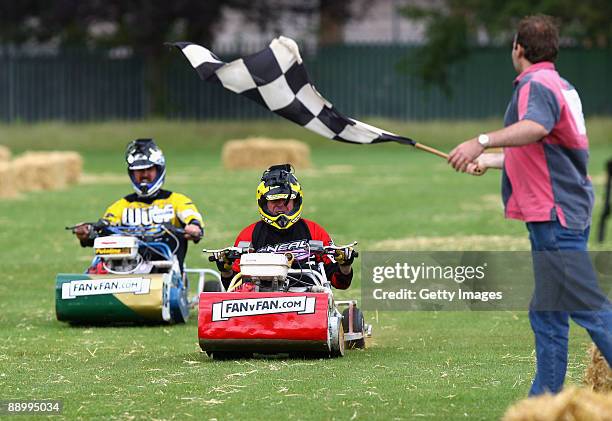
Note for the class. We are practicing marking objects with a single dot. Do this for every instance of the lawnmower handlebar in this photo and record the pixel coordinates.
(103, 227)
(316, 248)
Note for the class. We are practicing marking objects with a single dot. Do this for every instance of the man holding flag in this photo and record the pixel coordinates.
(545, 183)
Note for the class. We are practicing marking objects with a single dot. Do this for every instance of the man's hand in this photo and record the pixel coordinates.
(193, 232)
(475, 168)
(485, 161)
(82, 231)
(478, 167)
(464, 154)
(224, 264)
(345, 257)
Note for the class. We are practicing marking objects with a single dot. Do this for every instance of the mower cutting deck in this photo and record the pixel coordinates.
(270, 322)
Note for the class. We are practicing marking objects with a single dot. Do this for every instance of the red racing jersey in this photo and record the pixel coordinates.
(265, 238)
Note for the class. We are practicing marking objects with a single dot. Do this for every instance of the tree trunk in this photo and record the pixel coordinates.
(332, 15)
(156, 64)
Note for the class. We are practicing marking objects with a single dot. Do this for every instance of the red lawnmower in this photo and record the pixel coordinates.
(279, 303)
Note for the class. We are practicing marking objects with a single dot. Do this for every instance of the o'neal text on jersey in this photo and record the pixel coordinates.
(292, 246)
(147, 216)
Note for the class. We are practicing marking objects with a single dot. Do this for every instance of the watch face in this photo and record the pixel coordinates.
(483, 139)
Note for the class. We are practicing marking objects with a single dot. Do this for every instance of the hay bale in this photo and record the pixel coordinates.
(598, 375)
(47, 170)
(74, 166)
(5, 154)
(259, 153)
(39, 171)
(572, 404)
(71, 161)
(8, 181)
(25, 174)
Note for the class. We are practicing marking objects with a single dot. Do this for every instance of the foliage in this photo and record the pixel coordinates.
(143, 26)
(455, 27)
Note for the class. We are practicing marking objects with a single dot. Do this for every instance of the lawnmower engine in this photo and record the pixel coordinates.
(266, 272)
(118, 253)
(260, 314)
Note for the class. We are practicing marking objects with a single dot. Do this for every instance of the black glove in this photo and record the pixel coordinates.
(345, 256)
(224, 264)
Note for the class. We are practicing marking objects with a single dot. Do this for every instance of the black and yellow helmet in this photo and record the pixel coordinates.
(279, 182)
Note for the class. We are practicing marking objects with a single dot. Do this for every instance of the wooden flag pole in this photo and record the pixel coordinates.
(430, 150)
(440, 154)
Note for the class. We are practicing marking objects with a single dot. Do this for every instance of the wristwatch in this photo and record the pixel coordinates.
(484, 140)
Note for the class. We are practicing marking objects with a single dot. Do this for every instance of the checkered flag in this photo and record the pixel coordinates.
(276, 78)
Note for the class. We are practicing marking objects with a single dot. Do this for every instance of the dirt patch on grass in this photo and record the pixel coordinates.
(452, 243)
(599, 179)
(339, 169)
(104, 178)
(487, 202)
(327, 170)
(116, 178)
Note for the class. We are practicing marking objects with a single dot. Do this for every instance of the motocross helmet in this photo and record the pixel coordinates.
(141, 154)
(278, 182)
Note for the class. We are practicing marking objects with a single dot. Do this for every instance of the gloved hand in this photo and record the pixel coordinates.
(224, 264)
(345, 256)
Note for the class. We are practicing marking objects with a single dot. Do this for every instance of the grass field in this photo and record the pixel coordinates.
(444, 365)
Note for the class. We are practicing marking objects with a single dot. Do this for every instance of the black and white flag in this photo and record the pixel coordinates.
(276, 78)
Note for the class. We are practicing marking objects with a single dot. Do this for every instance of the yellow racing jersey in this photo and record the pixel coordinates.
(164, 207)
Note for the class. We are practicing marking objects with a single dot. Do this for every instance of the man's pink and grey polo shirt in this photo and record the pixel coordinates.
(547, 180)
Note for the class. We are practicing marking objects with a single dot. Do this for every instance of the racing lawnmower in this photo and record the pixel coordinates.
(279, 303)
(134, 277)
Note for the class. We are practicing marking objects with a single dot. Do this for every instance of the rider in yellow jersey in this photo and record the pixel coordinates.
(150, 204)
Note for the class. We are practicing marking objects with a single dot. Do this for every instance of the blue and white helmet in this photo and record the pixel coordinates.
(141, 154)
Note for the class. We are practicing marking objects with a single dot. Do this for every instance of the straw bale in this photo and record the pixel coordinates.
(47, 170)
(572, 404)
(26, 177)
(598, 375)
(8, 181)
(5, 153)
(73, 165)
(258, 153)
(39, 171)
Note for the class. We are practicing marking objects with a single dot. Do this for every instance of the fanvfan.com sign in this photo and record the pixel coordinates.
(228, 309)
(83, 287)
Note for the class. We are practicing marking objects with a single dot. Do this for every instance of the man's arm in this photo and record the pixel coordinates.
(189, 215)
(83, 230)
(520, 133)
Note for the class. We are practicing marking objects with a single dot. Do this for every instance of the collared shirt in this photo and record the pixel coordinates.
(547, 180)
